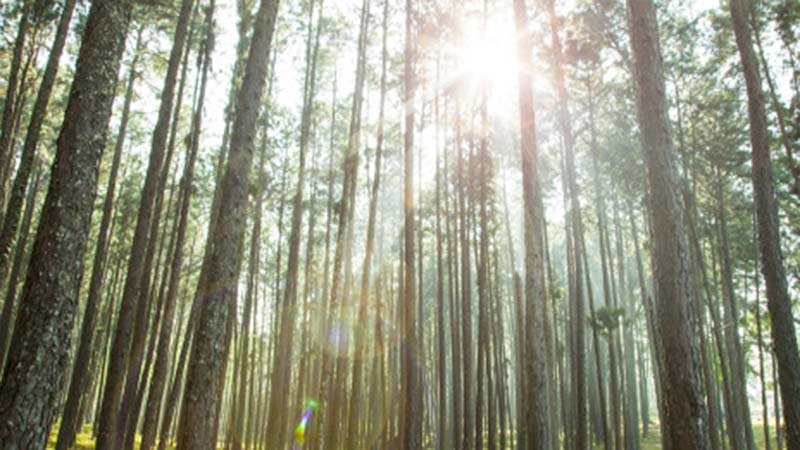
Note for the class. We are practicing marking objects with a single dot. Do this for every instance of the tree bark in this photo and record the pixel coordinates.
(683, 405)
(779, 303)
(70, 419)
(203, 393)
(535, 367)
(31, 386)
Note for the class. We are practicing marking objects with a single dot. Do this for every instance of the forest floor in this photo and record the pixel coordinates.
(84, 440)
(653, 440)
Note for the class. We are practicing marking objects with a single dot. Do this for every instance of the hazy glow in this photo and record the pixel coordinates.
(488, 56)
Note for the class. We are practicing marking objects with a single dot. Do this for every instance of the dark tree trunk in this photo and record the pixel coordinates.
(683, 404)
(38, 357)
(69, 418)
(779, 303)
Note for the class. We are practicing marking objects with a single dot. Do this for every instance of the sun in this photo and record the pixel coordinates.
(487, 55)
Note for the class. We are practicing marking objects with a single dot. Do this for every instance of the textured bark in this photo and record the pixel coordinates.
(197, 429)
(69, 418)
(779, 303)
(110, 426)
(535, 414)
(240, 372)
(39, 347)
(684, 421)
(176, 387)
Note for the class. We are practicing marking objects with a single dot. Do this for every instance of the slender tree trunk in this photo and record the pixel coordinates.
(740, 408)
(412, 431)
(536, 401)
(331, 372)
(30, 387)
(197, 428)
(779, 303)
(441, 435)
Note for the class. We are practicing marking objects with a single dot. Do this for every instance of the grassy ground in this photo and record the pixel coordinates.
(653, 441)
(84, 439)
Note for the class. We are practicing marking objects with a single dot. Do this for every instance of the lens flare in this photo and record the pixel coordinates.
(300, 431)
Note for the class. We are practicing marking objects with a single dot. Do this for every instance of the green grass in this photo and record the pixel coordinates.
(85, 441)
(653, 440)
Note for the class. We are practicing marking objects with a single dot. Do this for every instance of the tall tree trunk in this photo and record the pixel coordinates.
(685, 411)
(331, 372)
(30, 387)
(197, 428)
(779, 303)
(441, 435)
(411, 433)
(70, 419)
(536, 401)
